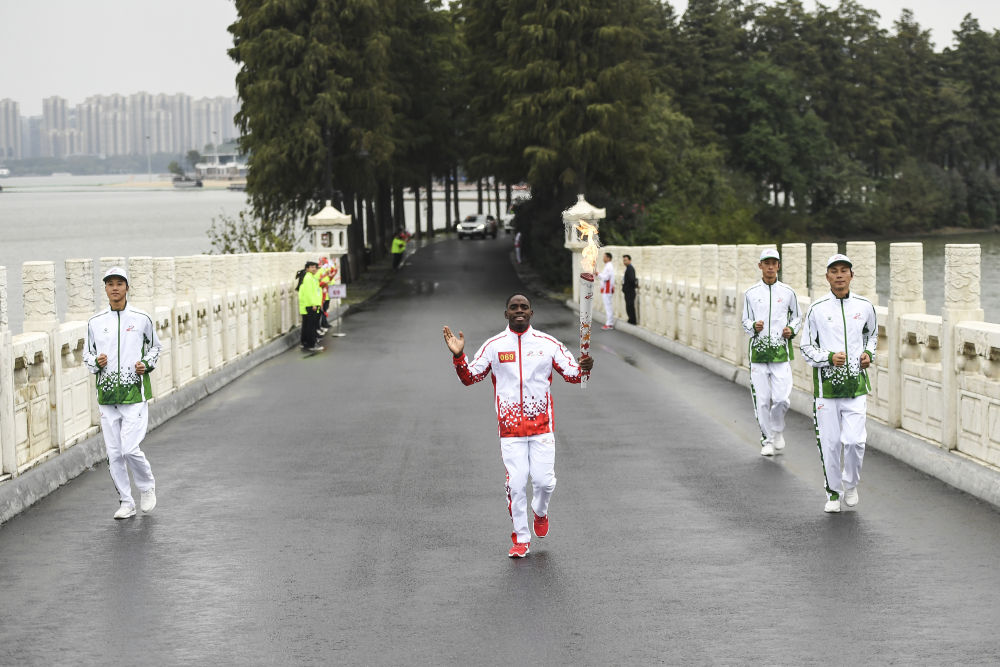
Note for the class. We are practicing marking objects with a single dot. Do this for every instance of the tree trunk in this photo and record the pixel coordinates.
(510, 196)
(430, 204)
(454, 182)
(383, 217)
(447, 200)
(398, 208)
(371, 225)
(416, 212)
(479, 196)
(496, 193)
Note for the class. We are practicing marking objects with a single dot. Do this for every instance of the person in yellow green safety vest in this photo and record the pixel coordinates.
(398, 248)
(310, 303)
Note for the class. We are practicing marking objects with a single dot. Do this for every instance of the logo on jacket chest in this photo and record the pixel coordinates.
(506, 357)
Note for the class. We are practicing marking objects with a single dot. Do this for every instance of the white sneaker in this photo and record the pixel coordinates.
(779, 441)
(851, 497)
(832, 506)
(315, 348)
(767, 449)
(147, 500)
(125, 511)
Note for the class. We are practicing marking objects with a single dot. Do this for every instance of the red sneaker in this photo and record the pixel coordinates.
(519, 550)
(541, 525)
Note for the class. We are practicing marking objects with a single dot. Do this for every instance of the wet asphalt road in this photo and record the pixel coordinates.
(348, 508)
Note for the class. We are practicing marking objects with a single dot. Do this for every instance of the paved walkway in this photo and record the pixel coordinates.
(348, 508)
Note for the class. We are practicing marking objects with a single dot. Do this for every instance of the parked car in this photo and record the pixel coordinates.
(481, 225)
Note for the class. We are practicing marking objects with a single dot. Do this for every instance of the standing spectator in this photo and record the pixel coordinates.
(517, 246)
(310, 302)
(122, 349)
(839, 343)
(771, 318)
(398, 248)
(607, 276)
(521, 361)
(325, 276)
(629, 285)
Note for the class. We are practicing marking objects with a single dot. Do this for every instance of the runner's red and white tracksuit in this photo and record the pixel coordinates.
(607, 278)
(522, 366)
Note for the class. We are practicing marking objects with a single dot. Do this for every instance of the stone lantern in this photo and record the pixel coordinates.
(583, 211)
(329, 232)
(329, 239)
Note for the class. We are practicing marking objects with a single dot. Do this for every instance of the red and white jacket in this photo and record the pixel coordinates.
(522, 366)
(607, 276)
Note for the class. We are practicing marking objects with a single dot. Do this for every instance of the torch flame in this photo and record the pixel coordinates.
(589, 256)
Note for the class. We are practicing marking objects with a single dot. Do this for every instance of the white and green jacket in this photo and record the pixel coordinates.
(840, 325)
(126, 336)
(777, 307)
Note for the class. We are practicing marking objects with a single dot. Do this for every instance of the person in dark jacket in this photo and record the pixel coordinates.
(629, 286)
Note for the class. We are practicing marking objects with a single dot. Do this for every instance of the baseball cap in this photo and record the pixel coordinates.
(770, 253)
(116, 271)
(838, 258)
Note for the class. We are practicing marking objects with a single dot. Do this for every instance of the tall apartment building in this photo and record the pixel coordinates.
(10, 131)
(119, 125)
(55, 123)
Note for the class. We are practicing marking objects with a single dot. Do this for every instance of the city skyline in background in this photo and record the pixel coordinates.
(106, 125)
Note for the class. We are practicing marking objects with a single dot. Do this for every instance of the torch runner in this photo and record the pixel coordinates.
(589, 265)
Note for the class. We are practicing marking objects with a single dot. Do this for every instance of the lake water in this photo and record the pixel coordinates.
(56, 218)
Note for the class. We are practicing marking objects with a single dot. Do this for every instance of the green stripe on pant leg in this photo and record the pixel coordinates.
(756, 418)
(833, 495)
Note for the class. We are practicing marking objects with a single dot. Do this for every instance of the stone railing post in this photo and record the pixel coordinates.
(820, 253)
(80, 304)
(794, 269)
(38, 281)
(747, 273)
(731, 304)
(906, 295)
(862, 254)
(962, 289)
(710, 298)
(140, 283)
(8, 455)
(164, 300)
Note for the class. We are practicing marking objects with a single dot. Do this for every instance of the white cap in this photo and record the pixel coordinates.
(838, 258)
(770, 253)
(116, 271)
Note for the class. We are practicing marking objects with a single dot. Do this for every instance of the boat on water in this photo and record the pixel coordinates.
(4, 172)
(237, 187)
(187, 182)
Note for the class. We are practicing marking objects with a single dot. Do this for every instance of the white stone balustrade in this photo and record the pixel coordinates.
(209, 312)
(935, 376)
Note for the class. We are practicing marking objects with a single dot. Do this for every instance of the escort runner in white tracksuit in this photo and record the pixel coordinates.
(839, 341)
(607, 279)
(118, 339)
(772, 307)
(521, 361)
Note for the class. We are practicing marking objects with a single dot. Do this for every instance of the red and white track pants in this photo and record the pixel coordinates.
(533, 455)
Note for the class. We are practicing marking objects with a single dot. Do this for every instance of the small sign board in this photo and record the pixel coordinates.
(338, 291)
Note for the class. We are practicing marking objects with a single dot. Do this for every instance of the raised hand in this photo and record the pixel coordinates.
(455, 343)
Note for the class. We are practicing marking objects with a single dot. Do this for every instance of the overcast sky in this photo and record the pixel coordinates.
(78, 48)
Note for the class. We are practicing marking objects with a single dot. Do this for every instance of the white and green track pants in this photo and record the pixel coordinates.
(533, 455)
(771, 387)
(841, 436)
(124, 427)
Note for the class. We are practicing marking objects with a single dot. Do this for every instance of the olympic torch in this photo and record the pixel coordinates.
(588, 265)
